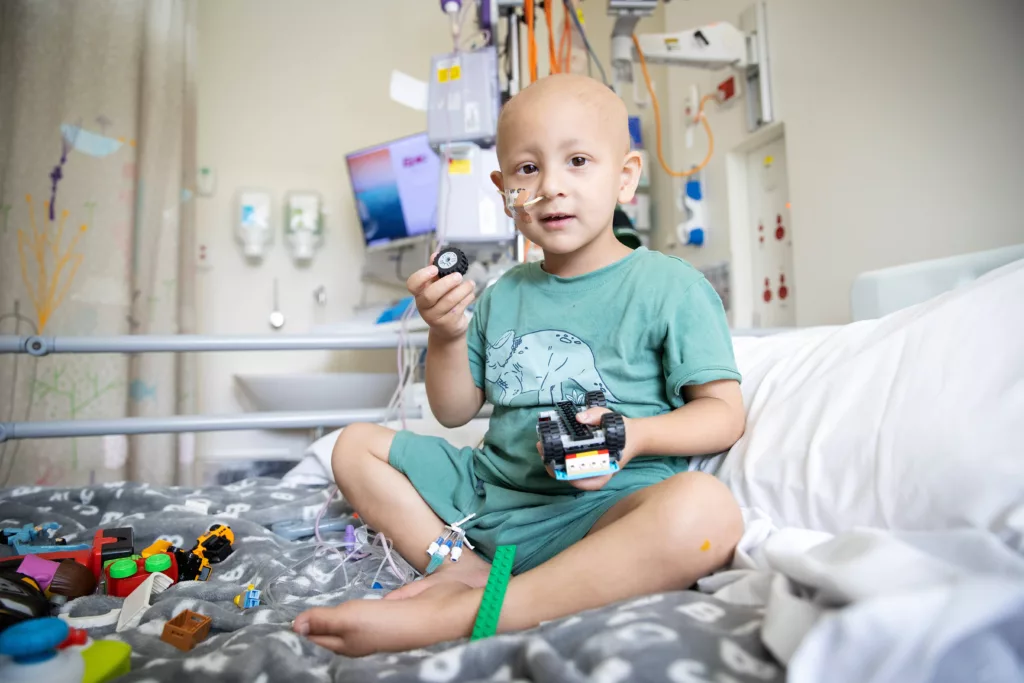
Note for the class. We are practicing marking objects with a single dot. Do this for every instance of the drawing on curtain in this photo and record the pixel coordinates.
(97, 163)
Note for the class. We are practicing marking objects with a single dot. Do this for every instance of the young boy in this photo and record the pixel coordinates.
(645, 328)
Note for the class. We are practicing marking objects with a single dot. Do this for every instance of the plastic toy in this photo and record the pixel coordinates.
(21, 598)
(110, 544)
(249, 598)
(125, 575)
(25, 539)
(451, 260)
(186, 630)
(191, 567)
(195, 565)
(137, 602)
(575, 450)
(40, 569)
(215, 545)
(486, 624)
(72, 580)
(47, 650)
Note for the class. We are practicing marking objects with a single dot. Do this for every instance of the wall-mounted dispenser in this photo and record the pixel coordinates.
(304, 225)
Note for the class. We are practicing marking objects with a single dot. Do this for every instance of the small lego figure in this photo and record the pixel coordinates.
(249, 598)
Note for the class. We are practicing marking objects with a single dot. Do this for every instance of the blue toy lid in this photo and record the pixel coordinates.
(34, 640)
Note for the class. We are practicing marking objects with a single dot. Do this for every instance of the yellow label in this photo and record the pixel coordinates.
(459, 167)
(579, 14)
(449, 73)
(769, 160)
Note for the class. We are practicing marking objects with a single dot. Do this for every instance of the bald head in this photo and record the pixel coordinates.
(594, 105)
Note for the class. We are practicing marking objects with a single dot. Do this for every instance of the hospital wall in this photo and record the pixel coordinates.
(903, 127)
(285, 91)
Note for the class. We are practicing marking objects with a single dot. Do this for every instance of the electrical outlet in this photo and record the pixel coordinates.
(203, 256)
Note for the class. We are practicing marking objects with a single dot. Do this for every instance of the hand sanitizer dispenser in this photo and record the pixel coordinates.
(253, 228)
(304, 226)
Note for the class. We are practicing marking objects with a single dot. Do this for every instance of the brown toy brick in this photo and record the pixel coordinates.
(186, 630)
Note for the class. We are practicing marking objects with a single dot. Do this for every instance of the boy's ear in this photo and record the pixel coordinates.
(632, 167)
(499, 182)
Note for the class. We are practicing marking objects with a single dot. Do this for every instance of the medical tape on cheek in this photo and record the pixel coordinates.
(517, 204)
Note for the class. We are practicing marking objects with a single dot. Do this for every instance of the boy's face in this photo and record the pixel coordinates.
(570, 151)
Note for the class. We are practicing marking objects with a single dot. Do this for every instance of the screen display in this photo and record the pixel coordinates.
(395, 186)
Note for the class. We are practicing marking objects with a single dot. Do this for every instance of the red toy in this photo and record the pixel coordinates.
(110, 544)
(125, 575)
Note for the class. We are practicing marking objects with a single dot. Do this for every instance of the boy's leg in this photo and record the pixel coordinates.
(388, 502)
(661, 538)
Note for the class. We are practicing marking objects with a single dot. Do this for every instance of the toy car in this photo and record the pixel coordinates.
(575, 450)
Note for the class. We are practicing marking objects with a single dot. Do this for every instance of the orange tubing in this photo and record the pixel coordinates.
(657, 121)
(549, 19)
(531, 39)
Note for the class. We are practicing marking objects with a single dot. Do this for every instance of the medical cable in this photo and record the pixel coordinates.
(549, 19)
(531, 39)
(565, 42)
(657, 121)
(586, 42)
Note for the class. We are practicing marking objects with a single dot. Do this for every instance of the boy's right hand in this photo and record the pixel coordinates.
(442, 302)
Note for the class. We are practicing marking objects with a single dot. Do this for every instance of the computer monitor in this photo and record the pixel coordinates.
(396, 187)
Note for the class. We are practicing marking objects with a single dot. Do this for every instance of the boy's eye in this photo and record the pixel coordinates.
(578, 161)
(527, 168)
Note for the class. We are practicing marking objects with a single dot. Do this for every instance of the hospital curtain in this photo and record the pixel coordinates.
(97, 159)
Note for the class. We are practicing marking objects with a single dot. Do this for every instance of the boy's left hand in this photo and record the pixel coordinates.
(592, 417)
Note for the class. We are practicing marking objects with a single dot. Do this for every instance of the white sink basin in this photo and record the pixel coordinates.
(318, 391)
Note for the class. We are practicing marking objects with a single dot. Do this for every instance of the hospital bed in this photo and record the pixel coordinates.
(879, 476)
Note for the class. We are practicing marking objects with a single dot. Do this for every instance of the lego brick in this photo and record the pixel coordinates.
(486, 624)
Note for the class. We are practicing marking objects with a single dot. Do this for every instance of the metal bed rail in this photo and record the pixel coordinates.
(46, 345)
(312, 419)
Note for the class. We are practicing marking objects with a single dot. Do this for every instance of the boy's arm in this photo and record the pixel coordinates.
(453, 395)
(712, 420)
(451, 392)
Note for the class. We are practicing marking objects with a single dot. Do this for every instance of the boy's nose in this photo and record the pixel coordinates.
(551, 185)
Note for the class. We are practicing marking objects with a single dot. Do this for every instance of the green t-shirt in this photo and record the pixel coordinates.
(639, 329)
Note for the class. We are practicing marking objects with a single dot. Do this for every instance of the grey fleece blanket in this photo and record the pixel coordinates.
(680, 636)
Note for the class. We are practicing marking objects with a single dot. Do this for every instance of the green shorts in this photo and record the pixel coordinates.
(540, 525)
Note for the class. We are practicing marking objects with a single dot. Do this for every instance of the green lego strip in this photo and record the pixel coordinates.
(494, 593)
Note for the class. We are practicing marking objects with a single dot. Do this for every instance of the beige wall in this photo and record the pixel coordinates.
(904, 133)
(286, 89)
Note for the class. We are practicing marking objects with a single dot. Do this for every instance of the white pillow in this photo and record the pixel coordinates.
(912, 421)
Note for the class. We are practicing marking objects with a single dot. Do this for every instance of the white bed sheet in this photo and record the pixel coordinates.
(876, 606)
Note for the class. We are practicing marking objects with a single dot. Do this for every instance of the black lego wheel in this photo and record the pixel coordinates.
(614, 428)
(595, 399)
(451, 260)
(551, 442)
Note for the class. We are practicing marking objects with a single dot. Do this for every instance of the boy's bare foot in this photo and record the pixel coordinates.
(442, 612)
(472, 574)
